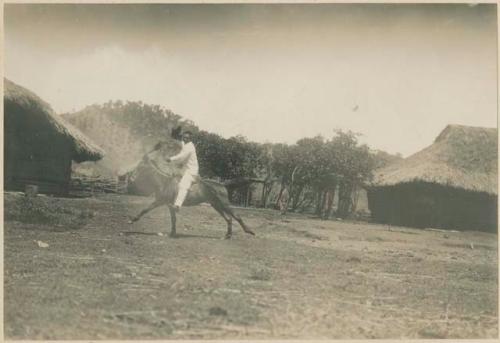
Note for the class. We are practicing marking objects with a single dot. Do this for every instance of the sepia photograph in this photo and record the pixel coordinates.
(239, 171)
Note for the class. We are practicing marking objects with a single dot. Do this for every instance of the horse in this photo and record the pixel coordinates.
(164, 184)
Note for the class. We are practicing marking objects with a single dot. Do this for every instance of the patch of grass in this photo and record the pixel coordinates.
(217, 311)
(48, 211)
(432, 332)
(260, 274)
(374, 239)
(470, 246)
(307, 234)
(353, 259)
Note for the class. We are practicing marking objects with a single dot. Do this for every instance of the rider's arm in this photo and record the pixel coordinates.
(184, 154)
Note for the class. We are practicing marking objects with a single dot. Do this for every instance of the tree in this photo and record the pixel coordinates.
(314, 168)
(266, 161)
(355, 164)
(229, 159)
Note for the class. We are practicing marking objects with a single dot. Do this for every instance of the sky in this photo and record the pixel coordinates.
(397, 74)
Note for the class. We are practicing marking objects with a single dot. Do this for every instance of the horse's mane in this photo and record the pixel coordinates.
(165, 169)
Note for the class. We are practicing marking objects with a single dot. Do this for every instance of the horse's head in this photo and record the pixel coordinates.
(153, 173)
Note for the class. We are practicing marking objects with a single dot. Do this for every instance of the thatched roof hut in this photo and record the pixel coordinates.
(461, 156)
(39, 110)
(452, 183)
(39, 145)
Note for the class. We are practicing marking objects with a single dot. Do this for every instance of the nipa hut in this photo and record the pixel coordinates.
(451, 184)
(39, 146)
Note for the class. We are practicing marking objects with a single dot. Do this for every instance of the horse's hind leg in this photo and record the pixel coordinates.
(151, 207)
(230, 212)
(173, 221)
(222, 206)
(228, 219)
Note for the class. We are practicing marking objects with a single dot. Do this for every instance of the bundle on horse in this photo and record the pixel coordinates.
(163, 182)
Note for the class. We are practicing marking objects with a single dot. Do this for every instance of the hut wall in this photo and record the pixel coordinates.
(35, 153)
(422, 205)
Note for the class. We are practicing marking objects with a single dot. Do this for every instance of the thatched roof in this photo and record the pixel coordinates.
(84, 148)
(462, 157)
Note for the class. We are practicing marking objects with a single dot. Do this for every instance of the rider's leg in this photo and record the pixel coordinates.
(184, 185)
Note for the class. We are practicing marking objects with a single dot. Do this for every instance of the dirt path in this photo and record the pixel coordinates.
(300, 278)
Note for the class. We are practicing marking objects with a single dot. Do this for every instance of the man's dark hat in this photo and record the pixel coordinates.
(176, 132)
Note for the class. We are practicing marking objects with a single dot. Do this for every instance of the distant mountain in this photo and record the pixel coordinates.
(126, 131)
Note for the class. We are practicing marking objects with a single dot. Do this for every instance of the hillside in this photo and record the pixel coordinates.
(125, 131)
(383, 158)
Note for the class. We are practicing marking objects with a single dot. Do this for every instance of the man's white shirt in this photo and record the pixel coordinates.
(187, 155)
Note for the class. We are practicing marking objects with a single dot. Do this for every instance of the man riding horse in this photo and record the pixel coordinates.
(187, 156)
(191, 190)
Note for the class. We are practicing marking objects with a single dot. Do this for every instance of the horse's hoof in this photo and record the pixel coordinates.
(228, 236)
(160, 233)
(250, 232)
(130, 221)
(173, 235)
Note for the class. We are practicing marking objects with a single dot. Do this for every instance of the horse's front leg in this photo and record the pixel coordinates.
(173, 220)
(151, 207)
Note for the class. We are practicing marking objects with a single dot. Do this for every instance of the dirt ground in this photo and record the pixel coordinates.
(90, 275)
